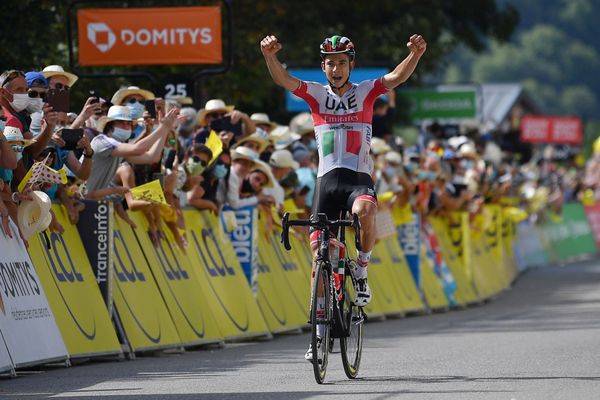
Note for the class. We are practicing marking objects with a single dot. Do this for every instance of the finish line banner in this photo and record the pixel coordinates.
(138, 36)
(28, 326)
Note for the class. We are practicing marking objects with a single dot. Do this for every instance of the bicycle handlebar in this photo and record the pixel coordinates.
(320, 222)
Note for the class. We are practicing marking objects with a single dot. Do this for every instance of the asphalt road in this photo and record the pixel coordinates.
(540, 340)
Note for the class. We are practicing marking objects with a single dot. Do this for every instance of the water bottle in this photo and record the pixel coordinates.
(336, 258)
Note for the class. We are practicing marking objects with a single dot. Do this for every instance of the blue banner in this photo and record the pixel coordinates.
(410, 240)
(244, 238)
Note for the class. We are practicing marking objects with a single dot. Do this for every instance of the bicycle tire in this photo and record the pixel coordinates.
(323, 280)
(351, 344)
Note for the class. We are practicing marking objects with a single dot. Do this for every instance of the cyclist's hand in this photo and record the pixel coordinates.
(270, 45)
(416, 44)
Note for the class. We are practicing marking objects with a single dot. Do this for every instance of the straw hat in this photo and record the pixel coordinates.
(265, 169)
(379, 146)
(467, 150)
(213, 105)
(244, 153)
(283, 159)
(255, 137)
(282, 137)
(393, 157)
(34, 215)
(302, 124)
(115, 113)
(57, 70)
(262, 119)
(121, 94)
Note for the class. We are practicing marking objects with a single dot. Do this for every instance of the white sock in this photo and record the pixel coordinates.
(362, 264)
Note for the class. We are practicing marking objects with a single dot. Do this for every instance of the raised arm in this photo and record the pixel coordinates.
(417, 46)
(269, 47)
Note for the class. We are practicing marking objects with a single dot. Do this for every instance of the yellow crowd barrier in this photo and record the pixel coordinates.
(72, 291)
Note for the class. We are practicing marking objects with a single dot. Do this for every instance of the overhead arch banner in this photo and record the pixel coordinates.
(223, 281)
(136, 36)
(142, 310)
(72, 291)
(26, 319)
(181, 290)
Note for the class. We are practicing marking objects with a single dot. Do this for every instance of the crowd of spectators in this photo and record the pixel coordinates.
(219, 155)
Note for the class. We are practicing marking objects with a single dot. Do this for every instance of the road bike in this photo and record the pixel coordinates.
(333, 282)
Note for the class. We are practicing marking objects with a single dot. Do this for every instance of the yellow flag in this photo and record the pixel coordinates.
(214, 143)
(151, 191)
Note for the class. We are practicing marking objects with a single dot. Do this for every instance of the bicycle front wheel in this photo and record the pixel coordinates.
(320, 314)
(351, 343)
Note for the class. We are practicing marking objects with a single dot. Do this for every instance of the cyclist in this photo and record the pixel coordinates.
(342, 114)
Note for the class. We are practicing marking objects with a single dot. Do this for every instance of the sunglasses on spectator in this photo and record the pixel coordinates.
(60, 86)
(215, 115)
(132, 101)
(199, 160)
(33, 94)
(17, 148)
(12, 74)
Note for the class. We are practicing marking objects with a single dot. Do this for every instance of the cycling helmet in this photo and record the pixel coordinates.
(336, 45)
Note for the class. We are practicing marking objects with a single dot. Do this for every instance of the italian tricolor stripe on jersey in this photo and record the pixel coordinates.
(353, 142)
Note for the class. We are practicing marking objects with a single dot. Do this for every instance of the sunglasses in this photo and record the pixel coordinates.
(10, 75)
(33, 94)
(60, 86)
(18, 148)
(199, 160)
(133, 101)
(215, 115)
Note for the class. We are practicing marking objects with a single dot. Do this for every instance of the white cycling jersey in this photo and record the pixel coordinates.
(343, 125)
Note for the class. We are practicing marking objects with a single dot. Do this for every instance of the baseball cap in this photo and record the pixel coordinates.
(35, 78)
(283, 159)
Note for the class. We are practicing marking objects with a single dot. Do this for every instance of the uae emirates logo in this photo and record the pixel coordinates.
(101, 36)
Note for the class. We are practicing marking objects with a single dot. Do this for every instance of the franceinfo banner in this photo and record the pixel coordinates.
(95, 228)
(26, 320)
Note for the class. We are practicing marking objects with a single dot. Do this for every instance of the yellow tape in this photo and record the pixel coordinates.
(72, 291)
(143, 312)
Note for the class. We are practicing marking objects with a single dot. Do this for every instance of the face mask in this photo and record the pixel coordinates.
(466, 164)
(220, 171)
(390, 171)
(35, 105)
(410, 167)
(194, 168)
(313, 145)
(135, 110)
(2, 125)
(246, 186)
(121, 134)
(20, 102)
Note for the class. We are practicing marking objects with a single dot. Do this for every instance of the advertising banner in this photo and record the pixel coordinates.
(225, 287)
(183, 290)
(72, 292)
(410, 240)
(547, 129)
(28, 326)
(5, 361)
(141, 36)
(95, 228)
(593, 216)
(244, 238)
(142, 310)
(430, 104)
(435, 259)
(572, 237)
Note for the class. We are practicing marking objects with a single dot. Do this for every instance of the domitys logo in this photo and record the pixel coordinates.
(101, 36)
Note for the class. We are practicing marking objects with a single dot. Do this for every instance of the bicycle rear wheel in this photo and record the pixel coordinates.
(351, 343)
(320, 344)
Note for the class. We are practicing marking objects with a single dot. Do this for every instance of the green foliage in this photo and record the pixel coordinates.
(34, 35)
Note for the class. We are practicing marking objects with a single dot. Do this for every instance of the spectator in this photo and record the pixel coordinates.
(263, 122)
(215, 109)
(383, 116)
(282, 164)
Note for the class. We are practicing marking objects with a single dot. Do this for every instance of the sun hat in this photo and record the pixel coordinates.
(282, 137)
(255, 137)
(467, 150)
(57, 70)
(262, 119)
(14, 135)
(211, 106)
(115, 113)
(283, 159)
(302, 124)
(379, 146)
(244, 153)
(121, 94)
(393, 157)
(34, 215)
(265, 169)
